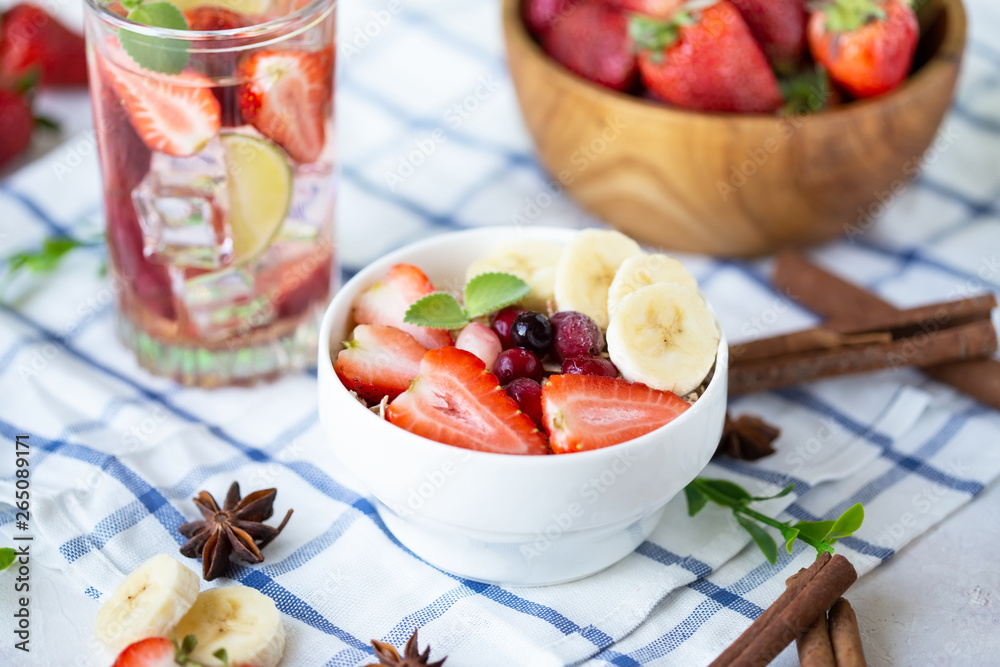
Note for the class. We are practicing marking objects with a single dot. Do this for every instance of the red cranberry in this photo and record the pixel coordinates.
(590, 366)
(501, 323)
(517, 363)
(575, 335)
(528, 395)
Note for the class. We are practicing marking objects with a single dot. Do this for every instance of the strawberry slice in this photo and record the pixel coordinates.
(455, 400)
(379, 361)
(582, 412)
(387, 301)
(208, 17)
(175, 114)
(151, 652)
(284, 95)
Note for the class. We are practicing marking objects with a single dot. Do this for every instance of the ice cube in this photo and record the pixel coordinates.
(222, 304)
(311, 209)
(181, 204)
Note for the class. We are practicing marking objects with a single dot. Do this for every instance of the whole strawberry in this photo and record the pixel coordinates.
(540, 15)
(15, 124)
(593, 41)
(705, 60)
(779, 27)
(867, 46)
(30, 39)
(654, 8)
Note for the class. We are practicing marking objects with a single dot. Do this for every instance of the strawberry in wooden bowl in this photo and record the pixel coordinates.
(733, 127)
(531, 420)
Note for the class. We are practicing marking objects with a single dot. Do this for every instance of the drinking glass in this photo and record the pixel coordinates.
(216, 151)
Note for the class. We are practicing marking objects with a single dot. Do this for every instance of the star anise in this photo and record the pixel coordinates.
(388, 655)
(747, 437)
(236, 528)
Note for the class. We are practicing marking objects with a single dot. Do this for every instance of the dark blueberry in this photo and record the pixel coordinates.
(501, 323)
(517, 363)
(575, 335)
(590, 366)
(532, 331)
(528, 395)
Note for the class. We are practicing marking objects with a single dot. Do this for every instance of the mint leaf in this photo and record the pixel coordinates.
(7, 557)
(159, 54)
(439, 310)
(222, 656)
(847, 523)
(761, 537)
(489, 292)
(696, 500)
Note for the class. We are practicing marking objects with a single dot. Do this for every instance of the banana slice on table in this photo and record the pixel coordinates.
(534, 263)
(664, 336)
(241, 620)
(642, 270)
(149, 603)
(587, 268)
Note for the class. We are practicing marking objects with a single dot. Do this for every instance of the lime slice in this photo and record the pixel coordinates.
(260, 192)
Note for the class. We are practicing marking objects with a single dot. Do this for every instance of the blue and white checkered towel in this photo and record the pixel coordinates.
(430, 140)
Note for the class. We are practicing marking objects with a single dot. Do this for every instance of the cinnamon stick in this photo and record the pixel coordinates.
(793, 587)
(845, 636)
(814, 647)
(927, 318)
(969, 341)
(833, 297)
(820, 338)
(792, 620)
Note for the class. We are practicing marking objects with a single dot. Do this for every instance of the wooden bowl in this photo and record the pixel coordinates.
(732, 184)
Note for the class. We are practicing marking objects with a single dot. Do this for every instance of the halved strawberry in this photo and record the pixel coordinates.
(208, 17)
(582, 412)
(284, 94)
(379, 361)
(387, 301)
(455, 400)
(151, 652)
(175, 114)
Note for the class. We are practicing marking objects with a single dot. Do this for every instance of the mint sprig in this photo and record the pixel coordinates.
(159, 54)
(821, 535)
(484, 294)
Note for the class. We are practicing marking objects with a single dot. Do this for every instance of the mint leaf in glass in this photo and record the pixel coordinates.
(159, 54)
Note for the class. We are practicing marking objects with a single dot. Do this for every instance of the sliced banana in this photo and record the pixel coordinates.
(664, 336)
(149, 603)
(534, 263)
(239, 619)
(587, 268)
(642, 270)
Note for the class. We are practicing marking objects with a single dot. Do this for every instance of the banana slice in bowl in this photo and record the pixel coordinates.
(664, 336)
(587, 268)
(647, 269)
(534, 262)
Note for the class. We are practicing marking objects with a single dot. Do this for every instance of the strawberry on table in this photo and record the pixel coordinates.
(779, 27)
(16, 123)
(175, 114)
(867, 46)
(379, 361)
(387, 301)
(456, 401)
(705, 60)
(593, 40)
(284, 95)
(151, 652)
(582, 412)
(30, 39)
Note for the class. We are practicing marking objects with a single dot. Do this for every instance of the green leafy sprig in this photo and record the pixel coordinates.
(821, 535)
(484, 294)
(7, 557)
(159, 54)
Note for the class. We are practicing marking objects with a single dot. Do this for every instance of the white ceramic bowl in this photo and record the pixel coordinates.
(528, 520)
